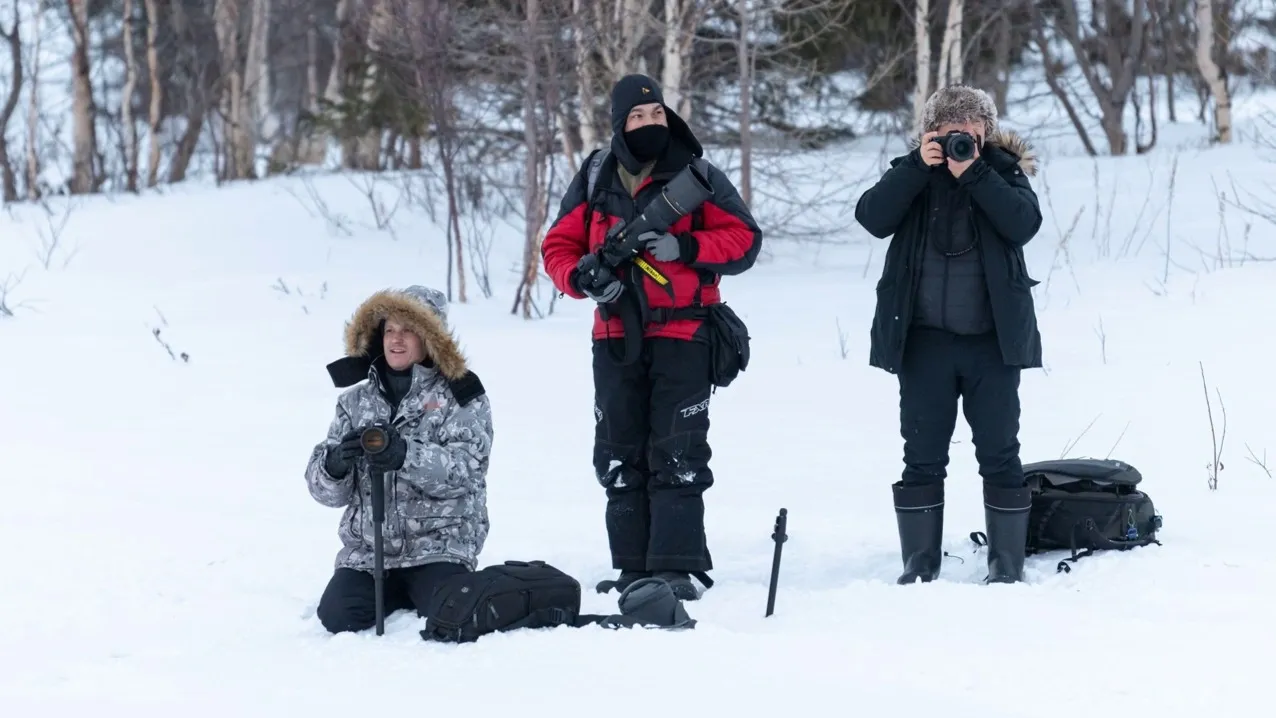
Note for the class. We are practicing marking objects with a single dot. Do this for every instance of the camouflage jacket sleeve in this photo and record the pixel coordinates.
(326, 489)
(455, 465)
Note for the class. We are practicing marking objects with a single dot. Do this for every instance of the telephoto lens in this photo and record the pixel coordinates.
(374, 440)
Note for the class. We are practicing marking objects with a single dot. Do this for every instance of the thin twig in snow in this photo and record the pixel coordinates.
(1260, 463)
(1069, 447)
(1216, 464)
(1118, 441)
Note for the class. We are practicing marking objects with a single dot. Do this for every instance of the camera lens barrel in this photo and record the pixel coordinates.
(374, 440)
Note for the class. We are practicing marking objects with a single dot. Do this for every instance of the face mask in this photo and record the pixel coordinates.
(647, 142)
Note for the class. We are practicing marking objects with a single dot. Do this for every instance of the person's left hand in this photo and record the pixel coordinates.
(957, 168)
(395, 452)
(662, 245)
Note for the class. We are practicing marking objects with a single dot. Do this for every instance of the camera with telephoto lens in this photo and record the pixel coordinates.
(957, 145)
(683, 194)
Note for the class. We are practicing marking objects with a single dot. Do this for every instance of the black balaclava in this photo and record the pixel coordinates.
(645, 143)
(635, 149)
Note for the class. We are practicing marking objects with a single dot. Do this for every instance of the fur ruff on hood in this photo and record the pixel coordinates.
(423, 311)
(1009, 142)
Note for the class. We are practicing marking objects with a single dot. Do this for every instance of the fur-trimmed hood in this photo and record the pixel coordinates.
(423, 311)
(1009, 142)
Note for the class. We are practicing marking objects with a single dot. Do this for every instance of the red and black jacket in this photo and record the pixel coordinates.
(720, 238)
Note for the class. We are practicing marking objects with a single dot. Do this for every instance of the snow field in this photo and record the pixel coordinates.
(164, 553)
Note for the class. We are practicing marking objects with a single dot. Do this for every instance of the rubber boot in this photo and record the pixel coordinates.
(1006, 516)
(920, 513)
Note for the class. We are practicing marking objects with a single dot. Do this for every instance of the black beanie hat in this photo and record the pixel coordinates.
(629, 92)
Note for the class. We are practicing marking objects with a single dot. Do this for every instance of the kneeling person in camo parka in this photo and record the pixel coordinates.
(407, 375)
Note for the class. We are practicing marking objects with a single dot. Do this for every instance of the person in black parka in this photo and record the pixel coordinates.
(955, 319)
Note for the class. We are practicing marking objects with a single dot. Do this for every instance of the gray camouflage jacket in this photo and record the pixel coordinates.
(436, 505)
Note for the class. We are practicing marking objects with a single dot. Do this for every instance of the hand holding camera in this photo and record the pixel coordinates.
(596, 281)
(959, 149)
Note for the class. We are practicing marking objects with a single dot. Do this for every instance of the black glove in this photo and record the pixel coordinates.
(391, 459)
(341, 457)
(595, 280)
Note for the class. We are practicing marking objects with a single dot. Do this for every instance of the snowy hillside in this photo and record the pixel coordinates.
(164, 554)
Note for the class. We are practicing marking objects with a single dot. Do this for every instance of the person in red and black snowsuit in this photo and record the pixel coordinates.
(651, 450)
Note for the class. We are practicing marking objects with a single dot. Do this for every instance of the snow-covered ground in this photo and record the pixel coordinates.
(163, 553)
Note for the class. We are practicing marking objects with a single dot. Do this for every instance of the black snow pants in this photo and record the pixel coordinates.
(349, 601)
(939, 368)
(651, 453)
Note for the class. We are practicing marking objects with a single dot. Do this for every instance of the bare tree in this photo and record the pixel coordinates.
(1120, 42)
(586, 76)
(156, 114)
(126, 101)
(1205, 48)
(921, 30)
(83, 108)
(950, 55)
(14, 39)
(198, 98)
(533, 200)
(33, 108)
(257, 75)
(744, 58)
(681, 18)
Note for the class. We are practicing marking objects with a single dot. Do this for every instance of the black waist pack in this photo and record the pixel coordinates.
(504, 597)
(1086, 505)
(728, 344)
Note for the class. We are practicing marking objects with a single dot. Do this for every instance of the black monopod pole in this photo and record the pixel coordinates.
(374, 440)
(780, 535)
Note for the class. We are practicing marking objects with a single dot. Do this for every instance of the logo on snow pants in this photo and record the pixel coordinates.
(694, 409)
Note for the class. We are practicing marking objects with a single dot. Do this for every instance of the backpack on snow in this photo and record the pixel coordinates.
(1086, 505)
(529, 594)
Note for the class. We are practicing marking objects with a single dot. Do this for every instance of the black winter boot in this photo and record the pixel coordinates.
(622, 582)
(1006, 517)
(920, 513)
(681, 584)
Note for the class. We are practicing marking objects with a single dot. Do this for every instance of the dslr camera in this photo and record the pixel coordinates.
(957, 145)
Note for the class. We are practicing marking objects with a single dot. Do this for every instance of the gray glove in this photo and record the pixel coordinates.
(662, 245)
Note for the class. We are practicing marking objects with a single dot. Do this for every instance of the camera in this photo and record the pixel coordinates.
(957, 145)
(374, 440)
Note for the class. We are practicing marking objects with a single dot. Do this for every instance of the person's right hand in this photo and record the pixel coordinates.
(596, 281)
(342, 456)
(932, 153)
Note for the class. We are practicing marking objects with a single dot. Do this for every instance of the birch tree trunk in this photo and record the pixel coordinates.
(157, 91)
(620, 27)
(533, 204)
(256, 101)
(1205, 44)
(83, 107)
(950, 57)
(745, 66)
(33, 110)
(586, 72)
(921, 31)
(671, 71)
(126, 101)
(226, 26)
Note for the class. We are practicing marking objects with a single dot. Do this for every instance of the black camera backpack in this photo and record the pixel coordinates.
(533, 594)
(1086, 505)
